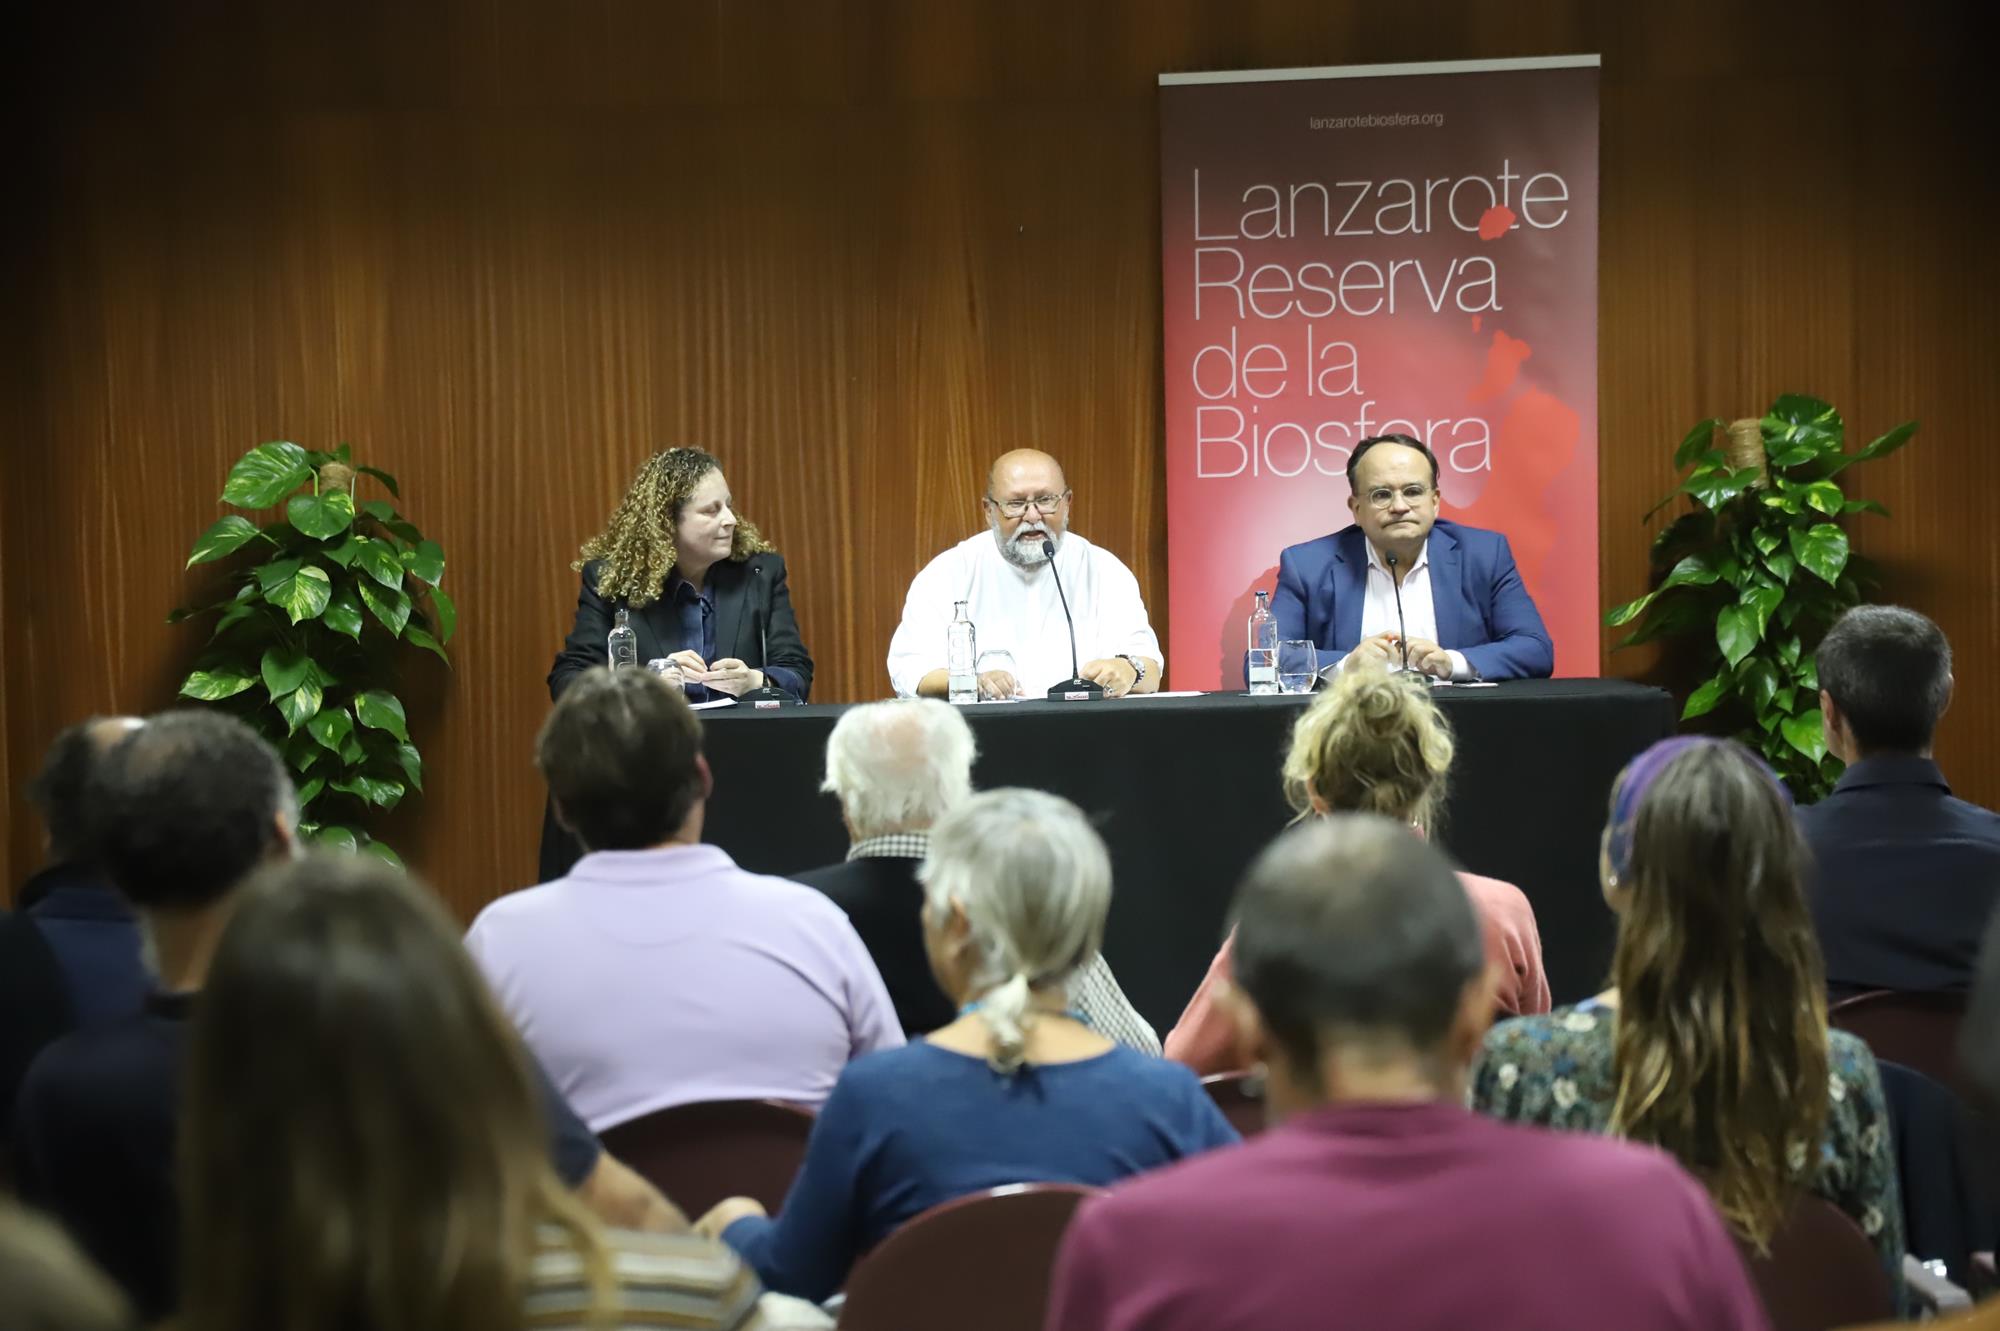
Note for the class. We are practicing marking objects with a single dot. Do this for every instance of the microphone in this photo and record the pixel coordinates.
(1076, 688)
(1396, 585)
(770, 695)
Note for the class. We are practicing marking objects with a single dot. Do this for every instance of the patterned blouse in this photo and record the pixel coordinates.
(1556, 1070)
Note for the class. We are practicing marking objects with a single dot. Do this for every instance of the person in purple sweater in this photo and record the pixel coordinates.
(1377, 1199)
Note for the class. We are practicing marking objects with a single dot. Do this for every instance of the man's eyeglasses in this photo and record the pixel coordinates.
(1382, 496)
(1014, 508)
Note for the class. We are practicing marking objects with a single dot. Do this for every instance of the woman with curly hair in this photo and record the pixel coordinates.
(702, 586)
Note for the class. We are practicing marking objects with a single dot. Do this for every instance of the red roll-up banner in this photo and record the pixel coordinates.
(1365, 250)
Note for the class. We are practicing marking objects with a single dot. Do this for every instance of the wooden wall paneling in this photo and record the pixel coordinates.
(508, 249)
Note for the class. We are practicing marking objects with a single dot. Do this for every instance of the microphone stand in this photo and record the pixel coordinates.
(770, 695)
(1402, 635)
(1076, 688)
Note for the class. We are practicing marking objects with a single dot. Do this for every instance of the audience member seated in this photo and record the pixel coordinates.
(658, 973)
(1375, 743)
(1017, 1090)
(1377, 1199)
(187, 807)
(898, 767)
(1905, 875)
(47, 1285)
(71, 956)
(344, 1031)
(1712, 1043)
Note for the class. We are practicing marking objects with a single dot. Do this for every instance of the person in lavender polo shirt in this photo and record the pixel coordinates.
(658, 973)
(1377, 1199)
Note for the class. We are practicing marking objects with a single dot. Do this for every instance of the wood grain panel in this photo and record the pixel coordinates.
(508, 248)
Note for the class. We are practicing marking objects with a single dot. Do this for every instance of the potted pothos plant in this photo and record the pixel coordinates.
(306, 648)
(1755, 574)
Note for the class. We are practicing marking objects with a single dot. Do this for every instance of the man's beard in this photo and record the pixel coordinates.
(1025, 554)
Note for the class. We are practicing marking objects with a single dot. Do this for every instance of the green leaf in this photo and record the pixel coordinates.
(1628, 612)
(1758, 681)
(378, 791)
(215, 685)
(426, 562)
(310, 792)
(302, 592)
(446, 614)
(1826, 497)
(380, 850)
(1696, 442)
(379, 562)
(1809, 673)
(301, 704)
(227, 536)
(1693, 571)
(346, 552)
(344, 453)
(337, 838)
(412, 764)
(1805, 733)
(351, 751)
(1884, 446)
(388, 481)
(1762, 601)
(266, 474)
(380, 710)
(1788, 651)
(1863, 506)
(331, 728)
(380, 509)
(392, 608)
(1782, 565)
(1715, 490)
(1766, 540)
(1796, 421)
(1706, 698)
(284, 669)
(1674, 618)
(343, 613)
(1822, 549)
(321, 516)
(406, 531)
(1735, 632)
(422, 639)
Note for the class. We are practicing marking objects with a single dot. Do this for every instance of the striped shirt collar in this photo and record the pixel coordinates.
(893, 845)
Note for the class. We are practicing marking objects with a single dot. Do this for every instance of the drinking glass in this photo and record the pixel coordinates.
(999, 659)
(668, 671)
(1298, 662)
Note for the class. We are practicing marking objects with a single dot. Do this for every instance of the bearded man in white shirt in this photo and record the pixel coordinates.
(1004, 577)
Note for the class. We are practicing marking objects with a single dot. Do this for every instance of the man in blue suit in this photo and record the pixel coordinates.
(1465, 613)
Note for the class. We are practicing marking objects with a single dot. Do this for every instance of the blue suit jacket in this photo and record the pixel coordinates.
(1483, 610)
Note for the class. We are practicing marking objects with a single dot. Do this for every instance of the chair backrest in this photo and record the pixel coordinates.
(980, 1263)
(698, 1154)
(1822, 1272)
(1918, 1030)
(1240, 1097)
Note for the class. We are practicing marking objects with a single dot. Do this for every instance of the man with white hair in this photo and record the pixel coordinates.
(897, 768)
(1003, 576)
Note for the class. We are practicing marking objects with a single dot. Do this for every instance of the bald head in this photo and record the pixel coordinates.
(1023, 474)
(60, 789)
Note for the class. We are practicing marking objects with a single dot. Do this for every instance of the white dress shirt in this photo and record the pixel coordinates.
(1378, 607)
(1017, 610)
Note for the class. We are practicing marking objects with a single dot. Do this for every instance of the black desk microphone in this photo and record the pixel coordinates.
(1396, 585)
(1076, 688)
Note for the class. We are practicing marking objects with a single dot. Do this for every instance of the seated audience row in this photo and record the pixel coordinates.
(1018, 1089)
(1374, 742)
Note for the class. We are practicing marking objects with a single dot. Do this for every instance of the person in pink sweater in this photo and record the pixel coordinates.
(1375, 743)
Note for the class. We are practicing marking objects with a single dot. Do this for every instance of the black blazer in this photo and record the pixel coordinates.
(753, 616)
(883, 900)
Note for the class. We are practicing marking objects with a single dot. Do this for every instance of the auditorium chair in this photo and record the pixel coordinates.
(698, 1154)
(978, 1263)
(1822, 1272)
(1240, 1097)
(1918, 1030)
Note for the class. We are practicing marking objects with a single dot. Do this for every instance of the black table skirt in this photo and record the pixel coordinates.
(1186, 791)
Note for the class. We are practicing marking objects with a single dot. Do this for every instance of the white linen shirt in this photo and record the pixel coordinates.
(1378, 608)
(1016, 610)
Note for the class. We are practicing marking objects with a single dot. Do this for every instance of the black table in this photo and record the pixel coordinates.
(1186, 791)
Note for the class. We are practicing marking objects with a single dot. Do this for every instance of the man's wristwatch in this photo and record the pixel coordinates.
(1138, 668)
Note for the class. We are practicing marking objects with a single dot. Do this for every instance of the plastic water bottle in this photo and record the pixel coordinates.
(962, 657)
(1262, 663)
(622, 646)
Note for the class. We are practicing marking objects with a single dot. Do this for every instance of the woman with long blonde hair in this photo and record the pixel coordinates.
(1374, 742)
(362, 1150)
(1712, 1041)
(698, 583)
